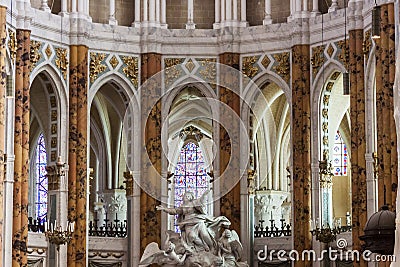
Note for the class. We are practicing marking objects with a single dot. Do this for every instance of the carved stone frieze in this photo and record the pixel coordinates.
(96, 66)
(62, 61)
(131, 70)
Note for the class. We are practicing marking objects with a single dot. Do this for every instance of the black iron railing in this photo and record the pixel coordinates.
(35, 225)
(115, 228)
(272, 230)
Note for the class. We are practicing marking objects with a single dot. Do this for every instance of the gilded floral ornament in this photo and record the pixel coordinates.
(190, 65)
(48, 51)
(266, 61)
(209, 70)
(62, 61)
(344, 54)
(34, 54)
(114, 61)
(282, 65)
(248, 66)
(367, 43)
(317, 58)
(131, 69)
(12, 44)
(330, 50)
(96, 66)
(172, 72)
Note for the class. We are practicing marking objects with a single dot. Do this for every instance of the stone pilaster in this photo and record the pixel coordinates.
(21, 149)
(3, 55)
(386, 134)
(77, 154)
(358, 139)
(301, 134)
(150, 218)
(229, 156)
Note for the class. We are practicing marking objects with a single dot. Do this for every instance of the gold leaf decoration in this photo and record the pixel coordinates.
(34, 54)
(282, 68)
(131, 69)
(317, 58)
(62, 60)
(12, 44)
(248, 67)
(190, 65)
(96, 66)
(48, 51)
(172, 72)
(367, 44)
(330, 50)
(343, 55)
(209, 71)
(266, 61)
(335, 75)
(114, 61)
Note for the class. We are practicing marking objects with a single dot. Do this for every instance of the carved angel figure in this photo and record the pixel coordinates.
(230, 249)
(152, 254)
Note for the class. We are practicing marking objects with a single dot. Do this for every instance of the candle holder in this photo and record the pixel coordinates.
(58, 236)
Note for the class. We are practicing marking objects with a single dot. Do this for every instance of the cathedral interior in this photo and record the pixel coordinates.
(285, 114)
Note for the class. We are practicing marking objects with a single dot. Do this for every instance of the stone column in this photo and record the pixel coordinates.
(358, 140)
(150, 218)
(111, 17)
(386, 134)
(77, 154)
(3, 84)
(229, 139)
(301, 139)
(267, 19)
(21, 149)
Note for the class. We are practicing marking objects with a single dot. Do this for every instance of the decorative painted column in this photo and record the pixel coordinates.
(229, 140)
(150, 218)
(77, 154)
(386, 134)
(301, 139)
(358, 139)
(3, 84)
(21, 149)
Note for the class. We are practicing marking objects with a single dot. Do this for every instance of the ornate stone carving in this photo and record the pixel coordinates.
(114, 61)
(317, 58)
(329, 86)
(48, 51)
(335, 75)
(34, 54)
(282, 65)
(200, 243)
(209, 70)
(367, 44)
(96, 66)
(12, 44)
(330, 50)
(172, 72)
(266, 61)
(343, 56)
(131, 70)
(248, 66)
(190, 65)
(62, 60)
(128, 183)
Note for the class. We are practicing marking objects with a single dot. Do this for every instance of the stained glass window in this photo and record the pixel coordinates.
(190, 174)
(41, 179)
(340, 156)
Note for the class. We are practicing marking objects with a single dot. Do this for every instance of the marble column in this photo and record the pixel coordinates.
(77, 154)
(3, 84)
(358, 139)
(386, 134)
(229, 140)
(301, 134)
(150, 218)
(21, 149)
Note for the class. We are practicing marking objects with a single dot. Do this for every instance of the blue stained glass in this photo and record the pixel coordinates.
(41, 179)
(190, 174)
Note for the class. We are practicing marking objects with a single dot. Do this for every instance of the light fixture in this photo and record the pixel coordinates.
(376, 22)
(57, 235)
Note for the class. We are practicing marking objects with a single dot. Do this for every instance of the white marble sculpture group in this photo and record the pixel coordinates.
(204, 241)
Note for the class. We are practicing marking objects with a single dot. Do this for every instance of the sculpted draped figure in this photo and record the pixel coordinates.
(200, 243)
